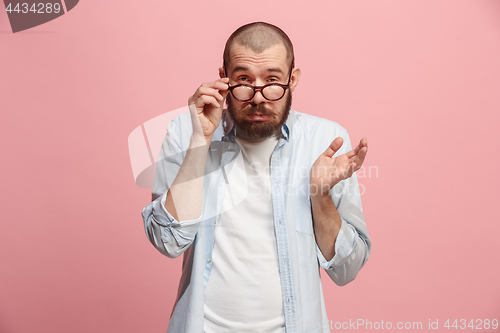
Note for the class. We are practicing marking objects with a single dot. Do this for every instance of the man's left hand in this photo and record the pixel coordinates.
(328, 171)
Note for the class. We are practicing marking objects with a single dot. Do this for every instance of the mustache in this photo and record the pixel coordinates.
(258, 109)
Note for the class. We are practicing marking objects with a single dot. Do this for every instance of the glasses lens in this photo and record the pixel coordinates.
(242, 93)
(273, 93)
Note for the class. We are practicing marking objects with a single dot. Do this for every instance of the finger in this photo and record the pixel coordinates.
(224, 96)
(214, 86)
(362, 143)
(224, 93)
(350, 170)
(359, 158)
(352, 153)
(362, 153)
(220, 84)
(225, 90)
(210, 92)
(334, 147)
(206, 100)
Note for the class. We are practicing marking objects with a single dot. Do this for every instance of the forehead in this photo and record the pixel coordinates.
(271, 58)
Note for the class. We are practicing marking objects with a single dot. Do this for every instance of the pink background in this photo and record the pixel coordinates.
(420, 79)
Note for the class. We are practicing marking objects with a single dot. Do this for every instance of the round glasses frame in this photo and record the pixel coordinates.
(261, 88)
(256, 88)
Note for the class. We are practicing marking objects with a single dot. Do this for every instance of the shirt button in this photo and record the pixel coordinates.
(208, 259)
(231, 148)
(215, 221)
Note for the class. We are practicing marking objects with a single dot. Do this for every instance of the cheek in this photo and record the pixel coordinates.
(278, 108)
(234, 104)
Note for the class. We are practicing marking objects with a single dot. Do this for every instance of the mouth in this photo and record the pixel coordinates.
(259, 117)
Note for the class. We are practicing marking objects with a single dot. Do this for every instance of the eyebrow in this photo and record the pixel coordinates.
(271, 70)
(275, 70)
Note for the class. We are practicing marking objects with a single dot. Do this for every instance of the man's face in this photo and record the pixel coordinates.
(258, 118)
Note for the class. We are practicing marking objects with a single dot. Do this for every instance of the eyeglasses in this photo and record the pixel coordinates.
(272, 91)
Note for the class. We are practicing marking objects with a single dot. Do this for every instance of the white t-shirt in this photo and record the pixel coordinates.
(243, 293)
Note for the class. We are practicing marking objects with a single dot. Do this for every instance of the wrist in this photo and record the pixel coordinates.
(320, 197)
(199, 141)
(319, 189)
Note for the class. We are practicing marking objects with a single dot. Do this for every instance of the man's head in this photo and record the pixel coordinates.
(258, 54)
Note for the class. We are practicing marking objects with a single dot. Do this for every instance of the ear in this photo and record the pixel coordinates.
(222, 73)
(294, 79)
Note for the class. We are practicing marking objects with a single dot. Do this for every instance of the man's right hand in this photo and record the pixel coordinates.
(206, 106)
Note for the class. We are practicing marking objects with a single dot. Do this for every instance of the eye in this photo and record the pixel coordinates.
(273, 79)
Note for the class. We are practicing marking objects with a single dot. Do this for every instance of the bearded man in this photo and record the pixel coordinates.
(257, 198)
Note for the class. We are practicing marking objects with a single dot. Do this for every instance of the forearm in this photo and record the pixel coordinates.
(326, 222)
(336, 238)
(185, 196)
(161, 221)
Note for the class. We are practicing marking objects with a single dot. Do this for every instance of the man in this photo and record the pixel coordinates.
(253, 200)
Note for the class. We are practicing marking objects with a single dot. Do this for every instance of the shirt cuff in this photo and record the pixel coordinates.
(183, 232)
(345, 244)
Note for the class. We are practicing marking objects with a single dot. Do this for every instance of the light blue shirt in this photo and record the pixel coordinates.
(304, 138)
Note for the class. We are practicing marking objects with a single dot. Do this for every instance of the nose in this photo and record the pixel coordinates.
(258, 98)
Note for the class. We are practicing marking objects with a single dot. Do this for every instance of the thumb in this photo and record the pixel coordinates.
(224, 92)
(334, 147)
(224, 96)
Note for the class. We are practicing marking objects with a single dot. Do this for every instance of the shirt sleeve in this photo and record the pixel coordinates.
(345, 244)
(352, 247)
(169, 236)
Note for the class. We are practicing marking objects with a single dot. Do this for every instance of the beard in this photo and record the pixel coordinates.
(259, 129)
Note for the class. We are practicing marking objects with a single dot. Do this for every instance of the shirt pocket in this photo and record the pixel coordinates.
(302, 209)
